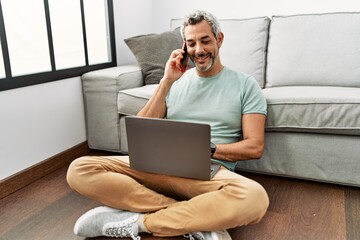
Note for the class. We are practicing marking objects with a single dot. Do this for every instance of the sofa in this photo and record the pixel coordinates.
(308, 67)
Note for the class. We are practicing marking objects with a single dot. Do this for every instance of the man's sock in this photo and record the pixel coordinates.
(140, 223)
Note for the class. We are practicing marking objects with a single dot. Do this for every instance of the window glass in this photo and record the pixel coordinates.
(97, 31)
(81, 40)
(2, 69)
(67, 33)
(26, 33)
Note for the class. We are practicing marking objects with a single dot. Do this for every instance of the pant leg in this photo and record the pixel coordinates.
(228, 200)
(106, 180)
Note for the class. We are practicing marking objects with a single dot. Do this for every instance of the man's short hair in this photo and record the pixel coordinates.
(196, 17)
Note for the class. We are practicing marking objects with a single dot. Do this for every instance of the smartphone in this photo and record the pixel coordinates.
(185, 58)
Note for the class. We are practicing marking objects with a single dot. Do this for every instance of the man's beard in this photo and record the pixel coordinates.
(208, 66)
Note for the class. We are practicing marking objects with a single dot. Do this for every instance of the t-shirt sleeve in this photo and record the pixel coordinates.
(253, 98)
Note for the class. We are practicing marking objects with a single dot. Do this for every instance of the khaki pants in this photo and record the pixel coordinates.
(173, 205)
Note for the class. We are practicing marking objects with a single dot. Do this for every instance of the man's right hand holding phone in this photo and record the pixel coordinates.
(174, 69)
(177, 64)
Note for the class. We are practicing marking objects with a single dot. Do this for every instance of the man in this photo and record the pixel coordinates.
(230, 103)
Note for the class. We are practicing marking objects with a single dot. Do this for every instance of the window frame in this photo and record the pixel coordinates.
(10, 82)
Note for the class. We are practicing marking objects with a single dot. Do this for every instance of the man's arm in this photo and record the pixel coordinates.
(156, 106)
(252, 145)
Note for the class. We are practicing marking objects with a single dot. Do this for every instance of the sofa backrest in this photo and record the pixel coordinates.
(244, 47)
(314, 50)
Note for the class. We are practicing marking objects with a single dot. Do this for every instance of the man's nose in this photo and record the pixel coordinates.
(199, 49)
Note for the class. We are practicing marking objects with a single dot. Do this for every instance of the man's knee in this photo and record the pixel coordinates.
(261, 201)
(251, 203)
(75, 172)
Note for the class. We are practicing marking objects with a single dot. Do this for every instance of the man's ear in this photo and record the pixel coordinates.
(220, 39)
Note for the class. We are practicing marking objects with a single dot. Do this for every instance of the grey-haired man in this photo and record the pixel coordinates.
(233, 105)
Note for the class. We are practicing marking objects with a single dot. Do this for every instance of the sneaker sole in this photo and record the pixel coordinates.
(91, 213)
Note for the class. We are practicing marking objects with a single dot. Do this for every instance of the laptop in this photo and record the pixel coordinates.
(170, 147)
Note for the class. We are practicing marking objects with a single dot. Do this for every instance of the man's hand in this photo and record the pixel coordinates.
(173, 69)
(156, 106)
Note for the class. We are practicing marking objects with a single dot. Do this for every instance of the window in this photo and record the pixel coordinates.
(67, 33)
(2, 69)
(26, 36)
(48, 40)
(97, 31)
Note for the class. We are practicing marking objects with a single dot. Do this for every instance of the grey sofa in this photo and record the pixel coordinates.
(309, 69)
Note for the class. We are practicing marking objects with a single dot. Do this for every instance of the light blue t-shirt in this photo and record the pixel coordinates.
(219, 101)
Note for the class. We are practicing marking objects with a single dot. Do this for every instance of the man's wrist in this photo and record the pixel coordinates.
(212, 149)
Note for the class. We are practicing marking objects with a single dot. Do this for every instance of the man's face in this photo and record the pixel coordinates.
(203, 47)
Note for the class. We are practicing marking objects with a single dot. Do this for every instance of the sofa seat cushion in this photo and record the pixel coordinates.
(131, 101)
(333, 110)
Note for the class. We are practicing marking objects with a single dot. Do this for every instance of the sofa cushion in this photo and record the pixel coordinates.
(152, 52)
(334, 110)
(244, 46)
(314, 50)
(131, 101)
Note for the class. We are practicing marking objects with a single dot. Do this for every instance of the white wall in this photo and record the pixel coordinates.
(40, 121)
(37, 122)
(132, 18)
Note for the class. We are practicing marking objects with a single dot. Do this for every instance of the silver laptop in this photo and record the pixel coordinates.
(170, 147)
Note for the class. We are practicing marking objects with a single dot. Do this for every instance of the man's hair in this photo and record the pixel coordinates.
(196, 17)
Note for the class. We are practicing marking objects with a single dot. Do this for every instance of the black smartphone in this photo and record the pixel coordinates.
(185, 58)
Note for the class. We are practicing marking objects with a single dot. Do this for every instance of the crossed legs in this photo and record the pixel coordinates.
(173, 205)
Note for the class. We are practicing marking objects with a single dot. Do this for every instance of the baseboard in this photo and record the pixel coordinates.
(37, 171)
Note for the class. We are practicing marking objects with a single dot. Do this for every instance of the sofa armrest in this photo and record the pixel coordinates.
(100, 90)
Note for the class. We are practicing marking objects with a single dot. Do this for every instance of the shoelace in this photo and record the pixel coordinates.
(195, 236)
(122, 230)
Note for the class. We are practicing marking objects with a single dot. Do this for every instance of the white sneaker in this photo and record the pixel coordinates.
(220, 235)
(109, 222)
(216, 235)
